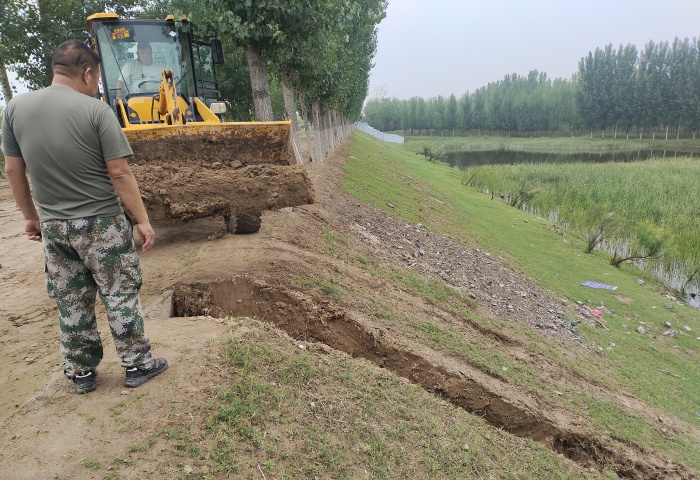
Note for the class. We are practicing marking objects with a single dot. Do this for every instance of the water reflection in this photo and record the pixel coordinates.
(508, 157)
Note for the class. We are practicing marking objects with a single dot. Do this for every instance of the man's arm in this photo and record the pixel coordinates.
(120, 89)
(128, 190)
(124, 78)
(16, 171)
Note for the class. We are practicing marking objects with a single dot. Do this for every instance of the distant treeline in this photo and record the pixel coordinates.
(615, 90)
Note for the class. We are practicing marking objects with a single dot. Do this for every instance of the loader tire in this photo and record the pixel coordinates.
(243, 222)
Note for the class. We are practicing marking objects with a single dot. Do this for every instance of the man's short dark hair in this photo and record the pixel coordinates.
(143, 45)
(72, 58)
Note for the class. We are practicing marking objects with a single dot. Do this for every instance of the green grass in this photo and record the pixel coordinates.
(297, 414)
(434, 290)
(326, 286)
(662, 193)
(91, 464)
(659, 370)
(332, 240)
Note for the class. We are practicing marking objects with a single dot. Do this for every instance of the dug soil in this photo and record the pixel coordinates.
(198, 271)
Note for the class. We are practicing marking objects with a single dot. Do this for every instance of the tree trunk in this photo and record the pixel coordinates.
(333, 132)
(6, 87)
(260, 85)
(305, 114)
(291, 108)
(328, 134)
(316, 112)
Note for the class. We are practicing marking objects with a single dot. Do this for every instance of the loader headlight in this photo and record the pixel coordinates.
(218, 107)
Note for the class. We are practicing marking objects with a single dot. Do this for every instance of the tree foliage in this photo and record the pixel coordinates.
(326, 46)
(37, 27)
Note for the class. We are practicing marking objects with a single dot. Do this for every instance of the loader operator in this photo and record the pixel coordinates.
(140, 74)
(75, 152)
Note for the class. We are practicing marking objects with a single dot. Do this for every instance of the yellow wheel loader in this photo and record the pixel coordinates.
(190, 164)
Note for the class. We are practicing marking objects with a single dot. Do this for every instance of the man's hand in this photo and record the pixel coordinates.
(33, 230)
(147, 235)
(16, 171)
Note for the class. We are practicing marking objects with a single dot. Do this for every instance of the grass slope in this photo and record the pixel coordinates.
(660, 370)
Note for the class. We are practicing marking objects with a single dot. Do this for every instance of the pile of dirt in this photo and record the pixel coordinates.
(186, 173)
(187, 191)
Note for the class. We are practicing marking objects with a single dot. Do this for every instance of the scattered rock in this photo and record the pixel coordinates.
(686, 328)
(669, 305)
(640, 281)
(667, 324)
(641, 330)
(471, 270)
(670, 333)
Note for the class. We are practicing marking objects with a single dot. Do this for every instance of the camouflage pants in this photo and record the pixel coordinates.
(89, 256)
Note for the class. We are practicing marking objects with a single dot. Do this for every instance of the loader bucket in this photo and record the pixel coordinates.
(201, 170)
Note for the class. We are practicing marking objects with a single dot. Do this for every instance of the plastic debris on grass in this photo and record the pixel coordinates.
(592, 284)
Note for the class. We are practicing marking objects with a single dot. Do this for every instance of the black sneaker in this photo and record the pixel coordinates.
(135, 377)
(85, 382)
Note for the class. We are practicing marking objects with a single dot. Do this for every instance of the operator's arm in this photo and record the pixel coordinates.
(124, 78)
(128, 190)
(120, 89)
(15, 168)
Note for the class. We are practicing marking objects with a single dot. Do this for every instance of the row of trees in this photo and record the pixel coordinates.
(522, 103)
(627, 90)
(318, 53)
(613, 90)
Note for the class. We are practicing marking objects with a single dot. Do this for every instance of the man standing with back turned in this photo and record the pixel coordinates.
(75, 152)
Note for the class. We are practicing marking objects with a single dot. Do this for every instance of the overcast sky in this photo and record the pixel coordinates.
(428, 48)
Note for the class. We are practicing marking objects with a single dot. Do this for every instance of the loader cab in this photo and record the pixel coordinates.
(135, 52)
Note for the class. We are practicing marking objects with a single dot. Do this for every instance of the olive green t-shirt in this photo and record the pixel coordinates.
(65, 139)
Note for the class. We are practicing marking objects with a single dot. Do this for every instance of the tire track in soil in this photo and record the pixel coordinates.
(307, 319)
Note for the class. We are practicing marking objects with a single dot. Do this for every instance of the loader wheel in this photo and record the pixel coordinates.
(243, 222)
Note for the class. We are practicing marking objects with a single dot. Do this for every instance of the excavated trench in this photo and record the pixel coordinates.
(306, 319)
